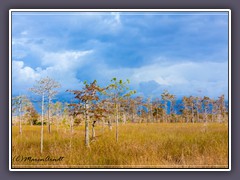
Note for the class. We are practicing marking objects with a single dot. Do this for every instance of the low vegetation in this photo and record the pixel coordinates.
(153, 145)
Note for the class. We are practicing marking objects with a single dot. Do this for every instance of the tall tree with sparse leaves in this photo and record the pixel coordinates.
(86, 97)
(45, 87)
(118, 90)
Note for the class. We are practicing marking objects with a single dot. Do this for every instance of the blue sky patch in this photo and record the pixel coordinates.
(184, 52)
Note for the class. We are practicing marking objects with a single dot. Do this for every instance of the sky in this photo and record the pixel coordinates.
(183, 52)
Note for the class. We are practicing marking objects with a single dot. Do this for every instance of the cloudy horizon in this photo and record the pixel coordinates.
(185, 53)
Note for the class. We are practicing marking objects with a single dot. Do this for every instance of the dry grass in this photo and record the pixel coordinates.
(154, 145)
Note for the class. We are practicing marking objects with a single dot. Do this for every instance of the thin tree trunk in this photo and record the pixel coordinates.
(71, 131)
(166, 117)
(86, 125)
(116, 122)
(205, 115)
(124, 118)
(93, 129)
(20, 117)
(42, 124)
(219, 118)
(110, 123)
(71, 124)
(93, 132)
(197, 115)
(170, 111)
(148, 115)
(151, 115)
(157, 115)
(192, 114)
(140, 116)
(49, 123)
(109, 120)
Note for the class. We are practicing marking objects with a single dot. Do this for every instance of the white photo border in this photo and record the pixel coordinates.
(120, 10)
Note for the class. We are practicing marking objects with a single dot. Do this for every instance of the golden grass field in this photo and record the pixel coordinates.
(153, 145)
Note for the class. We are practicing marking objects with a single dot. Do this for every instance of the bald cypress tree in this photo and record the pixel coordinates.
(45, 87)
(19, 104)
(168, 98)
(87, 98)
(117, 92)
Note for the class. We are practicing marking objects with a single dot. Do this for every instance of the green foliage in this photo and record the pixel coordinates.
(118, 89)
(39, 123)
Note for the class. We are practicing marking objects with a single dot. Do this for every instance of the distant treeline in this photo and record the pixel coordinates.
(112, 104)
(165, 108)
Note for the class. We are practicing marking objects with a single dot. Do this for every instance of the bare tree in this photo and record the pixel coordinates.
(45, 87)
(220, 103)
(205, 102)
(50, 86)
(198, 107)
(57, 109)
(167, 97)
(139, 106)
(158, 109)
(20, 103)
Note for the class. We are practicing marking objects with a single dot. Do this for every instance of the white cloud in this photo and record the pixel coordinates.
(48, 42)
(23, 73)
(66, 59)
(185, 78)
(23, 77)
(182, 73)
(61, 66)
